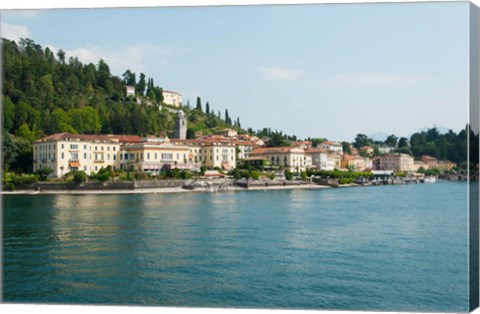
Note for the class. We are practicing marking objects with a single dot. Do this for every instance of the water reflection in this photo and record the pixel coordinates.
(334, 248)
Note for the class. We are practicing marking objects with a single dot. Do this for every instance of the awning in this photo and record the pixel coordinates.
(226, 166)
(74, 164)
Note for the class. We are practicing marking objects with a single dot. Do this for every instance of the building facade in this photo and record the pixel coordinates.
(65, 152)
(394, 162)
(292, 159)
(172, 98)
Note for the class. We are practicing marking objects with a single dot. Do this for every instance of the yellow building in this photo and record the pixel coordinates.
(394, 162)
(292, 159)
(154, 155)
(65, 152)
(172, 98)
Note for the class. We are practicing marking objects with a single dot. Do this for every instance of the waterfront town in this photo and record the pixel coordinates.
(224, 151)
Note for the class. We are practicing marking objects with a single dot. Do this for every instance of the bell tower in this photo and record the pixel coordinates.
(181, 125)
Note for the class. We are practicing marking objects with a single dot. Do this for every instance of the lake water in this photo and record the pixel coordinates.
(396, 248)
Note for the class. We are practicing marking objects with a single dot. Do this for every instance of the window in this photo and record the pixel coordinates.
(115, 157)
(148, 156)
(156, 156)
(108, 148)
(108, 156)
(84, 155)
(74, 155)
(63, 156)
(62, 146)
(85, 146)
(114, 148)
(101, 148)
(167, 156)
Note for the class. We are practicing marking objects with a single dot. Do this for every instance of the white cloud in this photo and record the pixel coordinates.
(280, 74)
(373, 79)
(137, 58)
(14, 32)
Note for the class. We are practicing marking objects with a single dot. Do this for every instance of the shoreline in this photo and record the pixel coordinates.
(166, 190)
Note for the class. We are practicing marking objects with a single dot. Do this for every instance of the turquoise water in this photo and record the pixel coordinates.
(396, 248)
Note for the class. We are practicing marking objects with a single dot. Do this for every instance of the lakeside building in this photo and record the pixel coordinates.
(243, 149)
(154, 155)
(65, 152)
(219, 154)
(446, 165)
(394, 162)
(430, 161)
(417, 165)
(355, 163)
(292, 159)
(332, 146)
(172, 98)
(319, 159)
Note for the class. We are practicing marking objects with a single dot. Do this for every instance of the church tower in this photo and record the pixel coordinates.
(181, 125)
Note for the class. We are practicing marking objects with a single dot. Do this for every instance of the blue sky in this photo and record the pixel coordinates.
(327, 70)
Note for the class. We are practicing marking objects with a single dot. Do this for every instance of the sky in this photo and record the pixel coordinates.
(327, 70)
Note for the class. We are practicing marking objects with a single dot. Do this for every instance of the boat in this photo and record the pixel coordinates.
(430, 179)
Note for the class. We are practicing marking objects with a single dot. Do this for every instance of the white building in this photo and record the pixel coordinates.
(292, 159)
(130, 91)
(172, 98)
(65, 152)
(332, 146)
(319, 157)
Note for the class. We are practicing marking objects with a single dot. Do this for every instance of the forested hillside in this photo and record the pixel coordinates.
(45, 93)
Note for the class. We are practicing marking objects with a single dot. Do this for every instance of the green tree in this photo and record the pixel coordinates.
(8, 114)
(403, 142)
(346, 148)
(129, 78)
(391, 141)
(141, 85)
(199, 104)
(44, 173)
(61, 122)
(277, 139)
(25, 132)
(362, 140)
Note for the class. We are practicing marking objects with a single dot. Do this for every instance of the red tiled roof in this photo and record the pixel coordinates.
(331, 143)
(315, 150)
(271, 150)
(91, 137)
